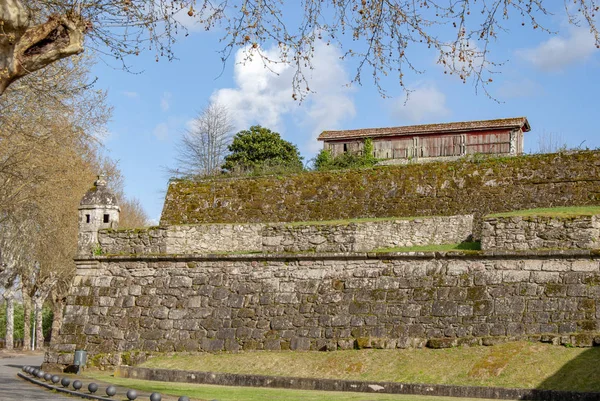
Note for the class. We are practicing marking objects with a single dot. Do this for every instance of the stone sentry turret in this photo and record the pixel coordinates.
(98, 209)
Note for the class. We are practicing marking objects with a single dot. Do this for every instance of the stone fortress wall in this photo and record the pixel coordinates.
(359, 236)
(324, 302)
(258, 286)
(478, 187)
(541, 232)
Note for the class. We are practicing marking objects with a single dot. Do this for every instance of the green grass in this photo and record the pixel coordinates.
(567, 211)
(516, 364)
(463, 246)
(349, 221)
(227, 393)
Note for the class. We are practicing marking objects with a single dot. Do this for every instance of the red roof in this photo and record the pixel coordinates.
(456, 127)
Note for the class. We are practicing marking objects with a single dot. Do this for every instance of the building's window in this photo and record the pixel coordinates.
(106, 216)
(87, 218)
(345, 147)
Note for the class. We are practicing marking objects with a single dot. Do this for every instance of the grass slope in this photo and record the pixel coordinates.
(570, 211)
(227, 393)
(516, 364)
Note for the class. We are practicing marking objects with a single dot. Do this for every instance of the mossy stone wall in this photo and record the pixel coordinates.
(541, 232)
(328, 301)
(476, 187)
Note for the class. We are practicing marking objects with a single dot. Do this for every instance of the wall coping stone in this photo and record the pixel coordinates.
(495, 254)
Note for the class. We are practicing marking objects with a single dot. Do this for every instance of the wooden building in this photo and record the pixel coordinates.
(433, 141)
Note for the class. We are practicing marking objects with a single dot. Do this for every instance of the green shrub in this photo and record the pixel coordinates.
(348, 160)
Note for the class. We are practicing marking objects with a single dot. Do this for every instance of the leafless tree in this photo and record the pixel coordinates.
(132, 214)
(49, 155)
(383, 33)
(203, 146)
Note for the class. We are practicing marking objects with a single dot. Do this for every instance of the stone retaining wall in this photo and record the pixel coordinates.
(280, 237)
(478, 186)
(538, 232)
(327, 301)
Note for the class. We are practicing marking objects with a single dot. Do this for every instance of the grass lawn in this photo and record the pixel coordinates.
(226, 393)
(567, 211)
(515, 364)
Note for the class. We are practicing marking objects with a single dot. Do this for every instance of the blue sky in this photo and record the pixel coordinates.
(553, 80)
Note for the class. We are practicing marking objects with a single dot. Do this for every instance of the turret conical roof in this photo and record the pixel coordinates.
(99, 194)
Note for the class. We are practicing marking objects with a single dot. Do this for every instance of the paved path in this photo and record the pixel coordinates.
(12, 388)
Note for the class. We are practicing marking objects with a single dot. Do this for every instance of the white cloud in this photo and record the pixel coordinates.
(423, 103)
(165, 101)
(520, 88)
(263, 94)
(558, 52)
(161, 131)
(131, 95)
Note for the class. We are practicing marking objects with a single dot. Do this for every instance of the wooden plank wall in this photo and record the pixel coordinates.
(404, 147)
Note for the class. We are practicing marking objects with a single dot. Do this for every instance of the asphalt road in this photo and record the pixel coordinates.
(12, 388)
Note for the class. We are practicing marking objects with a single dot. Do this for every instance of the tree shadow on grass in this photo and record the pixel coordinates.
(578, 379)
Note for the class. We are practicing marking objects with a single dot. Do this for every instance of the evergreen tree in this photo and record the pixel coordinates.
(260, 150)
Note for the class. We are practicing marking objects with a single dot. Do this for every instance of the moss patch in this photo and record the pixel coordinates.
(480, 187)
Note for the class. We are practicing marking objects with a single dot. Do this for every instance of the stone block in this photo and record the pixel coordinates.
(585, 266)
(356, 307)
(444, 308)
(465, 310)
(135, 289)
(556, 265)
(176, 314)
(300, 344)
(287, 298)
(235, 301)
(272, 345)
(226, 333)
(232, 345)
(545, 277)
(220, 293)
(340, 320)
(212, 345)
(106, 301)
(410, 310)
(456, 268)
(281, 323)
(483, 308)
(180, 281)
(515, 276)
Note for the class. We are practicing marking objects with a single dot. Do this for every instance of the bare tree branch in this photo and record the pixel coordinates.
(203, 146)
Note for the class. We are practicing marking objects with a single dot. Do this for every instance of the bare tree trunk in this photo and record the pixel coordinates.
(39, 331)
(57, 312)
(9, 296)
(26, 321)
